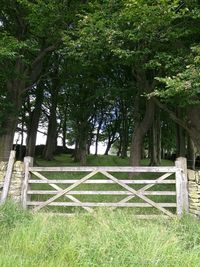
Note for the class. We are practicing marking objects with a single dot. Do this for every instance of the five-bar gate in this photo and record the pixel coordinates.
(68, 192)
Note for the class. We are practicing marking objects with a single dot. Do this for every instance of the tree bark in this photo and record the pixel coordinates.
(64, 131)
(124, 135)
(81, 142)
(154, 148)
(108, 147)
(159, 138)
(155, 144)
(141, 129)
(97, 136)
(194, 125)
(191, 155)
(14, 89)
(35, 117)
(180, 138)
(6, 139)
(191, 125)
(52, 128)
(181, 144)
(21, 150)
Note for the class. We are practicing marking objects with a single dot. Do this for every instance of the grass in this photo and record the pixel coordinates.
(104, 240)
(100, 160)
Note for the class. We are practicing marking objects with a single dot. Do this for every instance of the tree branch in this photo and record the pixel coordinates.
(172, 115)
(42, 54)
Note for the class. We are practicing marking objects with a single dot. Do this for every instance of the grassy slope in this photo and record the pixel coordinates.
(100, 160)
(108, 239)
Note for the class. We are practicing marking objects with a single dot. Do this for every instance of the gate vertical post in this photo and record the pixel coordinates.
(181, 186)
(8, 176)
(28, 161)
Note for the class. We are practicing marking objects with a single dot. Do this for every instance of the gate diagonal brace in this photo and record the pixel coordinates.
(58, 188)
(141, 190)
(139, 194)
(63, 192)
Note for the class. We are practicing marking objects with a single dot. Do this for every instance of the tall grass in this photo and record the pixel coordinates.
(106, 239)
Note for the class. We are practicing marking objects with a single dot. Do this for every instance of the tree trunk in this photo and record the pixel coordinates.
(33, 126)
(191, 125)
(111, 138)
(181, 145)
(154, 148)
(97, 137)
(108, 147)
(64, 131)
(81, 152)
(21, 150)
(191, 155)
(124, 130)
(125, 139)
(159, 138)
(81, 142)
(51, 137)
(141, 129)
(51, 142)
(119, 152)
(155, 135)
(180, 138)
(15, 89)
(194, 125)
(6, 138)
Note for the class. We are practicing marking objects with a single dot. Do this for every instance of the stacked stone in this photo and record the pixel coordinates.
(194, 192)
(16, 180)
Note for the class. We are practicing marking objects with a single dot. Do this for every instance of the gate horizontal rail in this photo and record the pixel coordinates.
(169, 169)
(102, 182)
(149, 193)
(101, 204)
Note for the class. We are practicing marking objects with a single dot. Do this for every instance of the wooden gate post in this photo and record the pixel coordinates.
(28, 161)
(8, 176)
(181, 186)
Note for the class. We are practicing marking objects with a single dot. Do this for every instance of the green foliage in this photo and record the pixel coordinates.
(185, 86)
(150, 36)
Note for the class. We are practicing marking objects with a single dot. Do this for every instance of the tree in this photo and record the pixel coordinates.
(30, 31)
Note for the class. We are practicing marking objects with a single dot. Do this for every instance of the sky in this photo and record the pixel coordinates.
(41, 140)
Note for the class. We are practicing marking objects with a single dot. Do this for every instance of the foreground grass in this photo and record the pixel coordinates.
(106, 239)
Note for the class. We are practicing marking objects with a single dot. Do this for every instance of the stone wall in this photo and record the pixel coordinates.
(194, 192)
(16, 181)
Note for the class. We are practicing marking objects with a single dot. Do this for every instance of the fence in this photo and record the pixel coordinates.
(108, 176)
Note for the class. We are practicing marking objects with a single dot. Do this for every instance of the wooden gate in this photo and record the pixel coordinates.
(65, 191)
